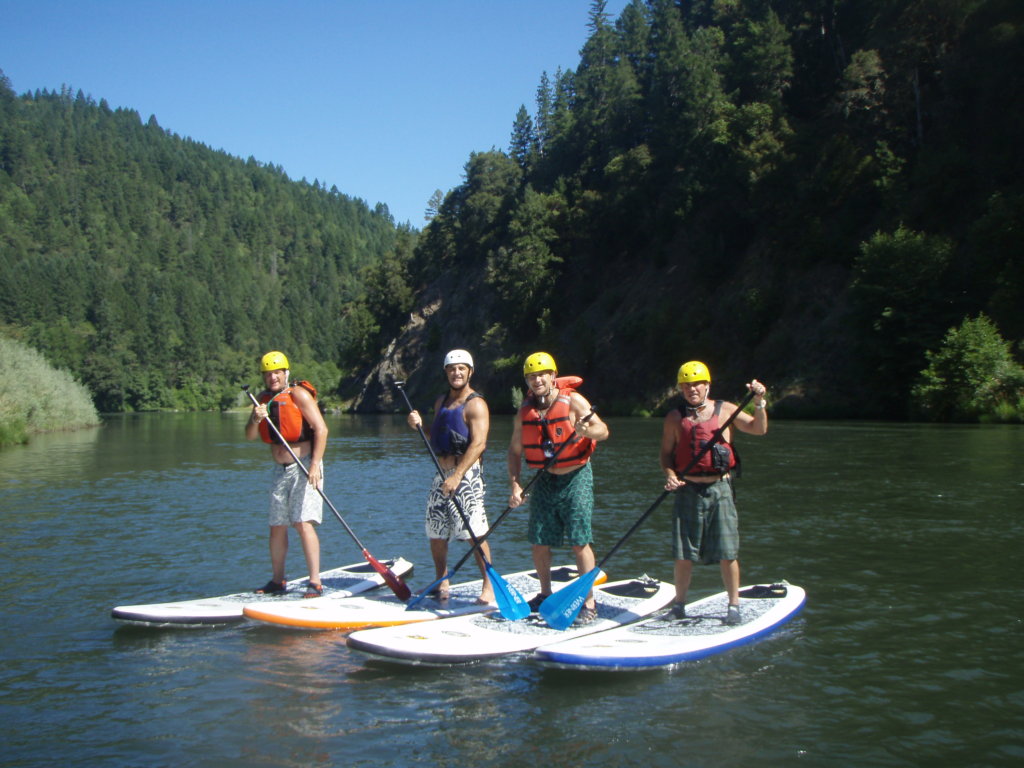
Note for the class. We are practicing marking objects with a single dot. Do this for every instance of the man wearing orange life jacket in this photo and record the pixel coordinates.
(705, 524)
(563, 498)
(294, 499)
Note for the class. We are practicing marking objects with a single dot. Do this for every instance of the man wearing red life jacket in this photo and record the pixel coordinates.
(705, 524)
(294, 499)
(458, 437)
(562, 502)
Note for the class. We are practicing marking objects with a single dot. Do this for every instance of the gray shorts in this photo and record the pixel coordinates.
(443, 519)
(292, 498)
(705, 527)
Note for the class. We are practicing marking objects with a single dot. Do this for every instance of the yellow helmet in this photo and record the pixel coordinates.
(273, 361)
(693, 371)
(539, 361)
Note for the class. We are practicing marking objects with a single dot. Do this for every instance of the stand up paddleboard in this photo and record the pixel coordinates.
(343, 582)
(665, 641)
(386, 610)
(468, 639)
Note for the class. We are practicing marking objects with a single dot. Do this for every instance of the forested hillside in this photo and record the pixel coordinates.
(810, 192)
(825, 194)
(157, 270)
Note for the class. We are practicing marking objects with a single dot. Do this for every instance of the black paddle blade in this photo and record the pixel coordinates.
(402, 592)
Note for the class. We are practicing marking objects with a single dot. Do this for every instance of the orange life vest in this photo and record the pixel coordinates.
(542, 435)
(285, 414)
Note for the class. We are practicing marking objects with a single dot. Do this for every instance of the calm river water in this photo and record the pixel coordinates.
(910, 651)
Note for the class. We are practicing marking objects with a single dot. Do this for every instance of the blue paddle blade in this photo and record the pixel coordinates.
(559, 609)
(511, 604)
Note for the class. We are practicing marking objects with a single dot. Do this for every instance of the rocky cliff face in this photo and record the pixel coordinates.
(628, 339)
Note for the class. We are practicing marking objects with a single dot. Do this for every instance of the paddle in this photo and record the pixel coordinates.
(551, 460)
(560, 608)
(511, 604)
(397, 585)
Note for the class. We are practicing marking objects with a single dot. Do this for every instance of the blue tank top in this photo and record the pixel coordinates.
(449, 434)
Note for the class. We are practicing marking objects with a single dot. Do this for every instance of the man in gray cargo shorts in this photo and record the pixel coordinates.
(298, 431)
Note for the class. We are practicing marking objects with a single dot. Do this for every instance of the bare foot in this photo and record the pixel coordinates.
(441, 591)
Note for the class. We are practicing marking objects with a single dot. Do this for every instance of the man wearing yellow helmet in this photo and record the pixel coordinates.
(551, 434)
(705, 524)
(294, 499)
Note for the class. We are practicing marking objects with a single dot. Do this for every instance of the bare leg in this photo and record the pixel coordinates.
(278, 550)
(487, 591)
(542, 564)
(439, 554)
(731, 579)
(585, 563)
(683, 573)
(311, 549)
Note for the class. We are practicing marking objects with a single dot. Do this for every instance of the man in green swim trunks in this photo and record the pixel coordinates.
(563, 499)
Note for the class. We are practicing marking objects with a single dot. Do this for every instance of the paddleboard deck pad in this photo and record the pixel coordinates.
(468, 639)
(386, 610)
(343, 582)
(664, 641)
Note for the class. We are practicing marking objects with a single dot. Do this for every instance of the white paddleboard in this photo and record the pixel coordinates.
(385, 610)
(343, 582)
(468, 639)
(664, 641)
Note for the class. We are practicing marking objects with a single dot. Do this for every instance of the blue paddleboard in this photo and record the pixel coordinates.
(664, 641)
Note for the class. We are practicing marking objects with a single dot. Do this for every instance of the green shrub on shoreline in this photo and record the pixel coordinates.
(36, 397)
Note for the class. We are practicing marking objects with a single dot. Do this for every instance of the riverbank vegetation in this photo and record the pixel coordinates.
(35, 397)
(827, 196)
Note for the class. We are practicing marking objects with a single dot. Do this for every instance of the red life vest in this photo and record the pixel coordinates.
(695, 435)
(542, 435)
(285, 414)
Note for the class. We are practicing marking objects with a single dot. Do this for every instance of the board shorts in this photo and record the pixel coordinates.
(443, 520)
(292, 498)
(561, 507)
(705, 526)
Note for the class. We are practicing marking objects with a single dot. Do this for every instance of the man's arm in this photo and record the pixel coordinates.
(667, 454)
(758, 423)
(515, 463)
(311, 413)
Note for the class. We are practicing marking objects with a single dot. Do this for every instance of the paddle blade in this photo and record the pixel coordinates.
(511, 604)
(559, 609)
(397, 586)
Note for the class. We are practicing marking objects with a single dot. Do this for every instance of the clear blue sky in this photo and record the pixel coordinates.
(383, 98)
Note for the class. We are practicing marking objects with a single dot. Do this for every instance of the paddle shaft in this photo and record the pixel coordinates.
(715, 437)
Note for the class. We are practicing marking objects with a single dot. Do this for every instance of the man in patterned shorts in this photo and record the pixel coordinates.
(552, 433)
(458, 436)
